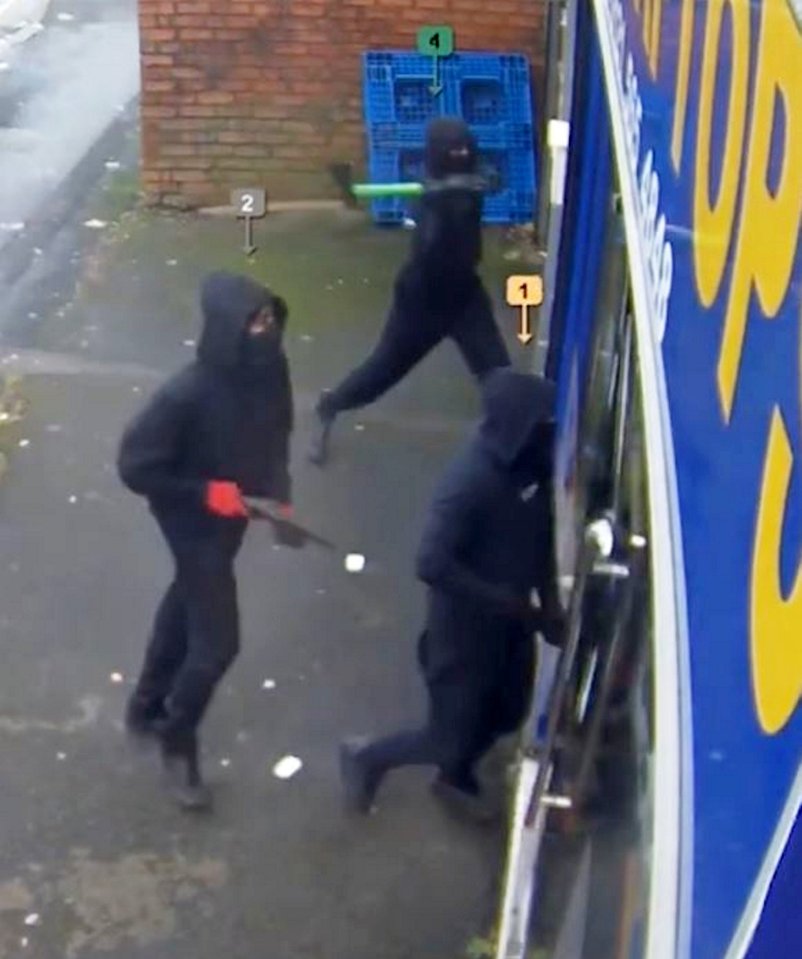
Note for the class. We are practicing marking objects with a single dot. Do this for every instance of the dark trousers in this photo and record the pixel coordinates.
(407, 337)
(195, 634)
(467, 715)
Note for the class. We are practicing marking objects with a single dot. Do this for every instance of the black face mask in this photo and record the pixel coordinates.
(261, 350)
(450, 148)
(535, 461)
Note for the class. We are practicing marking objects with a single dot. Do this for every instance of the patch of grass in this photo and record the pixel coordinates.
(119, 194)
(479, 948)
(12, 409)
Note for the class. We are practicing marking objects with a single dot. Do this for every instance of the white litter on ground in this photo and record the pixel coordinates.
(12, 227)
(116, 677)
(113, 164)
(33, 919)
(24, 443)
(287, 767)
(359, 427)
(24, 32)
(225, 763)
(306, 338)
(66, 17)
(189, 342)
(24, 942)
(269, 684)
(354, 562)
(172, 262)
(96, 224)
(73, 499)
(61, 757)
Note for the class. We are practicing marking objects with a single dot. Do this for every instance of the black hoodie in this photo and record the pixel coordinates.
(488, 539)
(219, 418)
(447, 243)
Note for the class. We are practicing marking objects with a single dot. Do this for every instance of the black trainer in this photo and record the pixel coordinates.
(143, 717)
(319, 449)
(360, 781)
(183, 778)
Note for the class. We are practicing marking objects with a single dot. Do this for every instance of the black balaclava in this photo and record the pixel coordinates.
(450, 148)
(535, 462)
(261, 350)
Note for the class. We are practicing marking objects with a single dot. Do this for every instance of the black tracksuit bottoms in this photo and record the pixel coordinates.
(405, 341)
(195, 636)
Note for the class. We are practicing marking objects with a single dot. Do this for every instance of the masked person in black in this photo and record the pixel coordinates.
(487, 544)
(438, 292)
(217, 430)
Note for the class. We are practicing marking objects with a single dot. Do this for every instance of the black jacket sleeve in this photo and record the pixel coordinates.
(279, 439)
(150, 449)
(453, 520)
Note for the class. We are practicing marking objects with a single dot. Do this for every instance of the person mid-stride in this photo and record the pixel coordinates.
(438, 292)
(486, 546)
(216, 431)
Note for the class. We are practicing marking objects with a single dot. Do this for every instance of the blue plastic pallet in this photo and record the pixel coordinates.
(490, 91)
(513, 203)
(493, 89)
(397, 136)
(396, 88)
(482, 88)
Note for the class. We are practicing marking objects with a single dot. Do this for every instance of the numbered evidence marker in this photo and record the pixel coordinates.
(250, 204)
(524, 291)
(436, 42)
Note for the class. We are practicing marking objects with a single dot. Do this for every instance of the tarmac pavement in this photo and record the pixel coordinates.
(91, 855)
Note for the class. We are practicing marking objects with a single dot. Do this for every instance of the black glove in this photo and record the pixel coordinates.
(289, 535)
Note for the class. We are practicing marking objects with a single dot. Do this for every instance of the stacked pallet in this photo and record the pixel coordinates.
(491, 92)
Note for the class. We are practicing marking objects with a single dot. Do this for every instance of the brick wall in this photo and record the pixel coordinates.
(268, 92)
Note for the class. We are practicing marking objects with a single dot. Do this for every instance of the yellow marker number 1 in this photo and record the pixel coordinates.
(524, 291)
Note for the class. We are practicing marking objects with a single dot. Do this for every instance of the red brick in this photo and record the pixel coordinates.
(240, 90)
(190, 110)
(158, 86)
(215, 98)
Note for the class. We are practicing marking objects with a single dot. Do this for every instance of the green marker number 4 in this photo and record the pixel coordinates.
(436, 41)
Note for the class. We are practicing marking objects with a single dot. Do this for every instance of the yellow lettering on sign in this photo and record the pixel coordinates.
(770, 223)
(776, 622)
(713, 221)
(683, 75)
(652, 20)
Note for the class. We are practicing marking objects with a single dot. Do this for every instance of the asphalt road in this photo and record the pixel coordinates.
(59, 91)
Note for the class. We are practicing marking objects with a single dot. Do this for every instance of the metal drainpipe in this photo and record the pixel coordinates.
(554, 9)
(559, 71)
